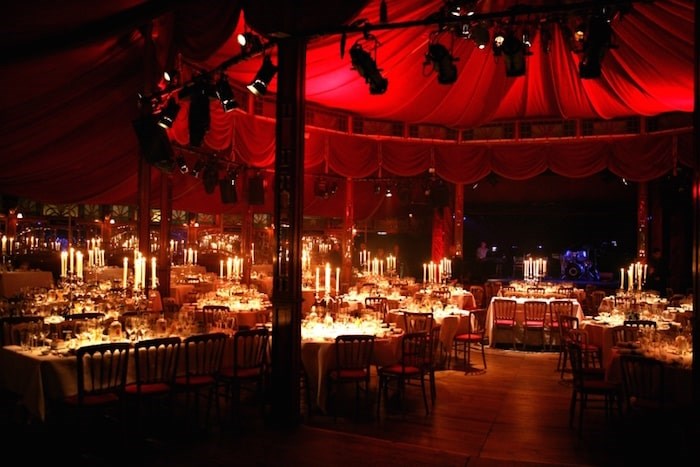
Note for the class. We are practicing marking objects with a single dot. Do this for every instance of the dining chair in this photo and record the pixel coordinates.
(417, 321)
(534, 319)
(557, 307)
(596, 299)
(247, 368)
(643, 384)
(203, 355)
(566, 292)
(637, 327)
(410, 368)
(504, 310)
(590, 390)
(379, 304)
(209, 315)
(434, 358)
(475, 335)
(479, 294)
(353, 360)
(591, 353)
(100, 381)
(622, 333)
(443, 294)
(12, 327)
(535, 291)
(566, 324)
(155, 368)
(507, 291)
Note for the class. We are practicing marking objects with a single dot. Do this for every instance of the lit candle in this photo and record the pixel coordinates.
(71, 253)
(229, 268)
(195, 256)
(4, 244)
(622, 278)
(327, 287)
(154, 276)
(317, 273)
(425, 270)
(221, 269)
(337, 281)
(125, 273)
(79, 266)
(64, 263)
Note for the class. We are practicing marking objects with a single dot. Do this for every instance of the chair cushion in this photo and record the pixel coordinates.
(201, 380)
(397, 369)
(242, 373)
(534, 324)
(147, 389)
(469, 337)
(503, 322)
(348, 374)
(93, 400)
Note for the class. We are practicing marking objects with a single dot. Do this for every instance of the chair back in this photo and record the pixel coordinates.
(12, 327)
(156, 360)
(476, 324)
(443, 294)
(635, 327)
(211, 314)
(250, 347)
(414, 351)
(622, 333)
(379, 304)
(504, 311)
(576, 359)
(535, 312)
(415, 321)
(559, 307)
(353, 356)
(203, 354)
(566, 292)
(507, 291)
(567, 323)
(643, 381)
(102, 370)
(535, 291)
(479, 293)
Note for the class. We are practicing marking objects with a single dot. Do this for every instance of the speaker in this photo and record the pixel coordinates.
(227, 189)
(154, 144)
(256, 190)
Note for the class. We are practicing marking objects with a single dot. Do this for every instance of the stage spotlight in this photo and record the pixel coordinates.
(480, 35)
(225, 94)
(199, 118)
(182, 164)
(499, 38)
(198, 167)
(443, 63)
(262, 79)
(365, 65)
(250, 43)
(169, 113)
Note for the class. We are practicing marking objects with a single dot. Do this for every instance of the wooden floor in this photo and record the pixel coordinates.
(513, 414)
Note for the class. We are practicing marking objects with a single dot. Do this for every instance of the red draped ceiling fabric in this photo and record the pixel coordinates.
(69, 96)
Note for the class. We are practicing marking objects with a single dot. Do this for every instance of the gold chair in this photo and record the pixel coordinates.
(535, 315)
(479, 294)
(504, 317)
(416, 321)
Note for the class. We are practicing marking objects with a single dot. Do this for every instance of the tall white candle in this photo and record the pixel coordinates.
(154, 276)
(221, 269)
(79, 264)
(425, 271)
(125, 273)
(4, 244)
(622, 278)
(317, 273)
(64, 263)
(71, 255)
(327, 287)
(337, 281)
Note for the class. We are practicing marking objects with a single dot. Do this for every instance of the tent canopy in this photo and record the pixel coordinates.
(71, 80)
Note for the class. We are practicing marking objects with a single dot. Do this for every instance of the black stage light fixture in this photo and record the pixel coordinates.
(595, 43)
(480, 35)
(263, 77)
(250, 43)
(154, 143)
(182, 164)
(198, 167)
(365, 65)
(499, 38)
(210, 177)
(167, 116)
(225, 94)
(443, 63)
(199, 118)
(514, 55)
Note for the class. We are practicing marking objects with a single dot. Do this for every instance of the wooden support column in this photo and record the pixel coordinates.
(459, 220)
(348, 222)
(642, 223)
(164, 253)
(288, 192)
